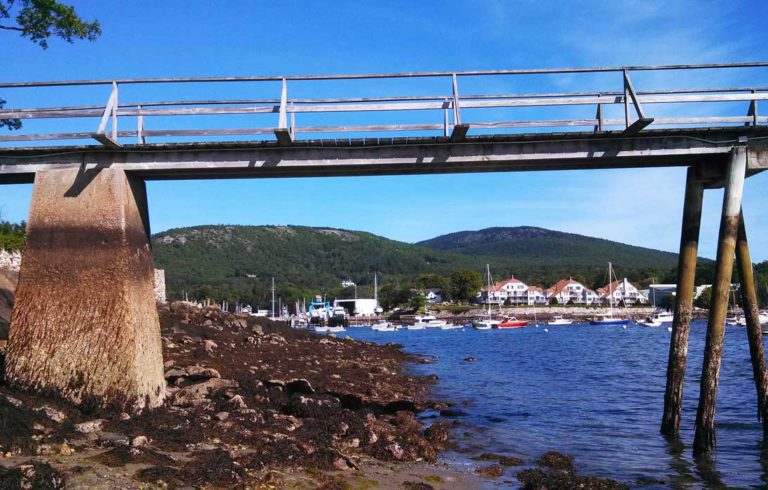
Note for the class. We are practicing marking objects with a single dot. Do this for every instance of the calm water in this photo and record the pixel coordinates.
(596, 393)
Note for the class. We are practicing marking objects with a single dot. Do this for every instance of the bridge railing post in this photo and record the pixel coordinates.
(110, 111)
(283, 133)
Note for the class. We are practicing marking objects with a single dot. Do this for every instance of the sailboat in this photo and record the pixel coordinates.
(487, 322)
(609, 319)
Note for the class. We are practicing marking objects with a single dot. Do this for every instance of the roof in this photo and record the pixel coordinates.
(560, 285)
(614, 286)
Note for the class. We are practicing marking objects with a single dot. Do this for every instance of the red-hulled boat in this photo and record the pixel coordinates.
(512, 322)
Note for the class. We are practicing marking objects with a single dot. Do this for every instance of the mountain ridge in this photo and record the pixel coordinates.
(236, 262)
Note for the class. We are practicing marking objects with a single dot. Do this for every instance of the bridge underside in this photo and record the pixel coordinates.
(397, 156)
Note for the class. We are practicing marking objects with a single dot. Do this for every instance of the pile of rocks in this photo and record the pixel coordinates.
(245, 397)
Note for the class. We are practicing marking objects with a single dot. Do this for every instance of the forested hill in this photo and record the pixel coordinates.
(538, 246)
(306, 261)
(238, 262)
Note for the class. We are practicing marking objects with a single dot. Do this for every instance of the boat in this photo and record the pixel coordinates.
(383, 326)
(429, 321)
(559, 320)
(416, 326)
(609, 319)
(451, 326)
(512, 322)
(487, 322)
(658, 319)
(336, 329)
(741, 320)
(320, 329)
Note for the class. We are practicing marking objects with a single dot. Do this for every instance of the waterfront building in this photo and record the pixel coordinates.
(433, 295)
(617, 291)
(512, 289)
(568, 291)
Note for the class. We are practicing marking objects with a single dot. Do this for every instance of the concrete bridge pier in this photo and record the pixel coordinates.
(85, 325)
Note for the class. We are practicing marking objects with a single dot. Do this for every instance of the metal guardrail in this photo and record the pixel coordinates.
(451, 106)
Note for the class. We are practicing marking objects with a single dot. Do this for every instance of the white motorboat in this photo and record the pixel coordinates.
(560, 320)
(336, 329)
(658, 319)
(320, 329)
(417, 326)
(383, 326)
(426, 321)
(450, 326)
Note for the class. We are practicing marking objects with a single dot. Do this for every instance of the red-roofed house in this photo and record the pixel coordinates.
(621, 290)
(569, 290)
(514, 290)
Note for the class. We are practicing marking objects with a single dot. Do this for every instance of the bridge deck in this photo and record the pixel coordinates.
(390, 156)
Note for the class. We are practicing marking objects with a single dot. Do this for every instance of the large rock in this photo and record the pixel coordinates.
(85, 324)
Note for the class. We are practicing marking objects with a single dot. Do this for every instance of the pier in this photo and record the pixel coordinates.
(85, 326)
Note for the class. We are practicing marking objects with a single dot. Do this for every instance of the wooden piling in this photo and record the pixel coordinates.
(754, 332)
(704, 440)
(681, 325)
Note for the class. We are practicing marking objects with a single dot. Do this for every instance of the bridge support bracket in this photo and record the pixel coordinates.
(85, 324)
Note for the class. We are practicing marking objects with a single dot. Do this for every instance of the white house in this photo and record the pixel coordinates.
(433, 295)
(515, 291)
(624, 290)
(536, 296)
(568, 290)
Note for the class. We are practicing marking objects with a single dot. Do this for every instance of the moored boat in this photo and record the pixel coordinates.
(383, 326)
(658, 319)
(486, 322)
(609, 319)
(560, 320)
(512, 322)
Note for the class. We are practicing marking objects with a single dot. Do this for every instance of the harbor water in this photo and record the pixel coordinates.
(596, 393)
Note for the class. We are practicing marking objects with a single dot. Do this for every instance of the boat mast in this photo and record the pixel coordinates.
(273, 297)
(610, 289)
(488, 296)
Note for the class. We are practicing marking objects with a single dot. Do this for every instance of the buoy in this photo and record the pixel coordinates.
(669, 329)
(546, 330)
(624, 327)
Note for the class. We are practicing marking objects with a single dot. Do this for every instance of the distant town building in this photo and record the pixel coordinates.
(569, 291)
(514, 291)
(348, 283)
(618, 291)
(357, 307)
(536, 296)
(433, 295)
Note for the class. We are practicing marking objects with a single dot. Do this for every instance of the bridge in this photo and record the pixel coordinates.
(85, 326)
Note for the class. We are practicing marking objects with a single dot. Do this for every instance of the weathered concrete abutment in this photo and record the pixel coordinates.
(85, 325)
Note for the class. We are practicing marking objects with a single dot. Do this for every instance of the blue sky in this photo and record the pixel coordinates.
(196, 38)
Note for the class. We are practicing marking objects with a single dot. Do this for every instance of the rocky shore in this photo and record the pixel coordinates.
(253, 404)
(249, 402)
